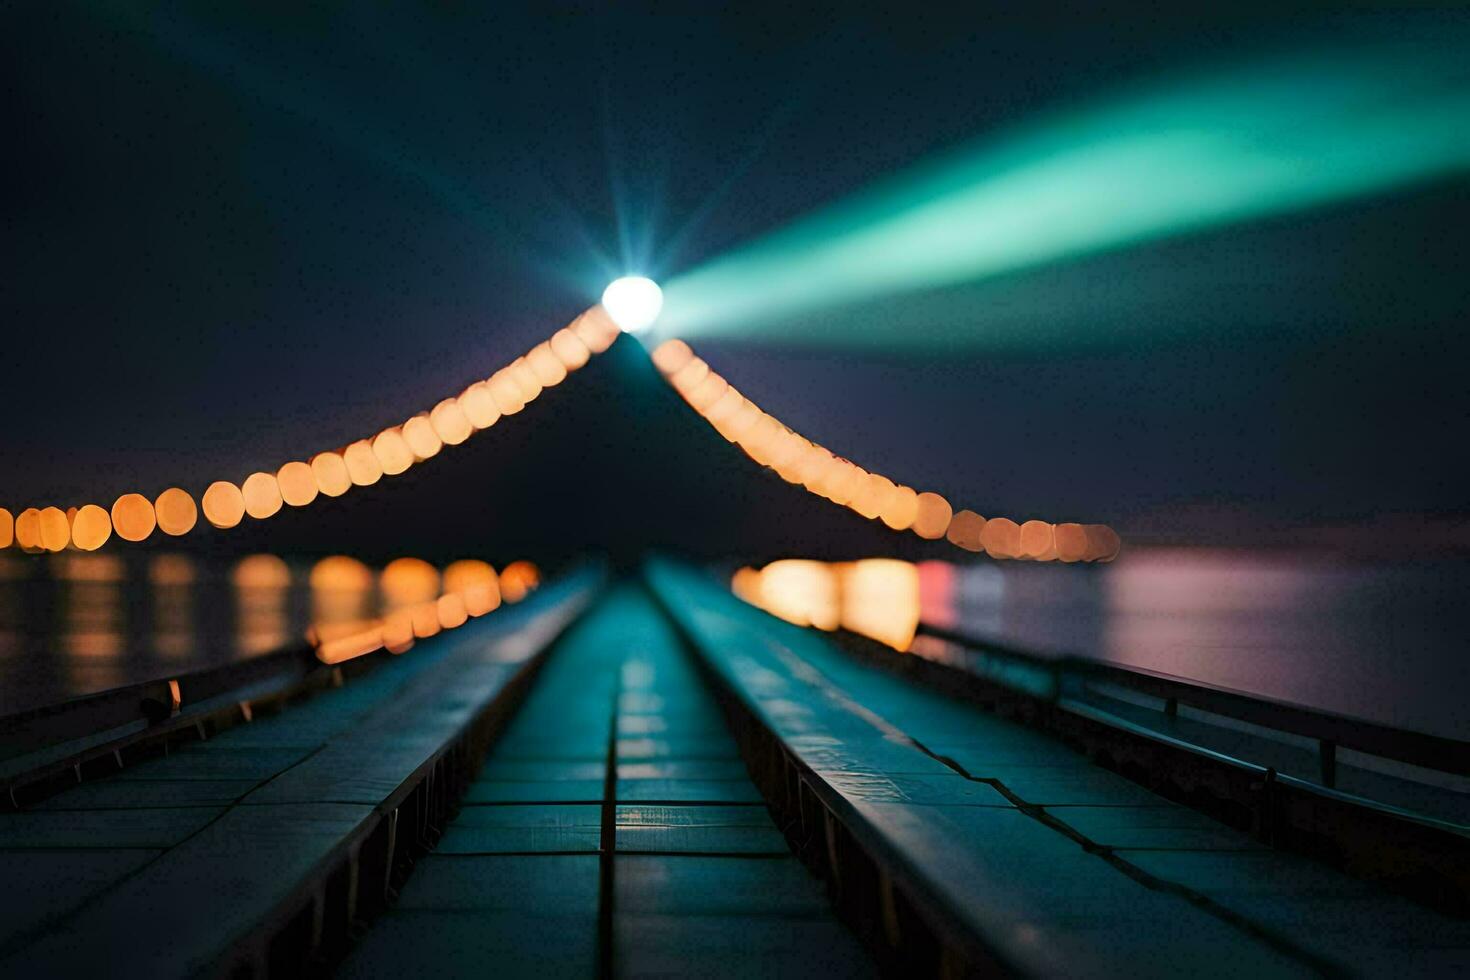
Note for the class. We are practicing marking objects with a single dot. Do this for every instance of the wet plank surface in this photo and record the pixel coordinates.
(1060, 866)
(199, 846)
(678, 871)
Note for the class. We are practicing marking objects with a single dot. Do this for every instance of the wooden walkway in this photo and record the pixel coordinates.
(253, 850)
(613, 830)
(1010, 851)
(675, 785)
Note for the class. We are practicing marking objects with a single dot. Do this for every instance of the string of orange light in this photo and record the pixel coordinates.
(134, 517)
(876, 597)
(422, 603)
(808, 464)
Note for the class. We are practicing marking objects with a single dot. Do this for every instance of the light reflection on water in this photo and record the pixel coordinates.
(1384, 641)
(75, 623)
(171, 579)
(72, 624)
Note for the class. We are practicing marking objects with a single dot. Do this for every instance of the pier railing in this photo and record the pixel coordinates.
(1071, 677)
(1385, 803)
(58, 743)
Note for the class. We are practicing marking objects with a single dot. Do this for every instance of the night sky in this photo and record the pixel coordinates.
(232, 239)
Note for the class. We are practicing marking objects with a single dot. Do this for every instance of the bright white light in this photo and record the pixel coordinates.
(633, 302)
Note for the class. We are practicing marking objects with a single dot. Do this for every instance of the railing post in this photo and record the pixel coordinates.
(1327, 755)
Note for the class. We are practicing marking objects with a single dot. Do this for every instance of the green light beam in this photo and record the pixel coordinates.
(1259, 140)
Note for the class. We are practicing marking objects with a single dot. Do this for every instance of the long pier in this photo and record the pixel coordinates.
(648, 777)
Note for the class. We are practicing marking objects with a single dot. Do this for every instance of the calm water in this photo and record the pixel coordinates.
(1385, 641)
(1381, 641)
(71, 624)
(75, 623)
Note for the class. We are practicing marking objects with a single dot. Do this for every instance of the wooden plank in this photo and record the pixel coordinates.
(39, 886)
(150, 828)
(537, 791)
(683, 769)
(527, 828)
(655, 884)
(944, 789)
(702, 829)
(126, 794)
(217, 759)
(688, 791)
(516, 770)
(1154, 828)
(1025, 891)
(712, 947)
(206, 893)
(544, 884)
(261, 857)
(675, 746)
(501, 944)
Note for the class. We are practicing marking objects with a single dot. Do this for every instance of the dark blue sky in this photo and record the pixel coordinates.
(233, 239)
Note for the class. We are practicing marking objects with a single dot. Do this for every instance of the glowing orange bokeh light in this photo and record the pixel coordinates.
(746, 584)
(261, 572)
(671, 355)
(596, 329)
(398, 631)
(797, 460)
(176, 512)
(933, 516)
(28, 530)
(1001, 538)
(329, 470)
(406, 581)
(170, 570)
(362, 463)
(507, 394)
(1103, 543)
(1037, 542)
(351, 646)
(91, 528)
(476, 581)
(880, 600)
(902, 509)
(392, 452)
(479, 405)
(525, 380)
(132, 517)
(724, 409)
(422, 440)
(340, 572)
(1071, 542)
(425, 619)
(297, 483)
(547, 367)
(694, 372)
(450, 423)
(262, 496)
(55, 529)
(806, 593)
(450, 608)
(569, 349)
(876, 597)
(517, 580)
(224, 505)
(966, 529)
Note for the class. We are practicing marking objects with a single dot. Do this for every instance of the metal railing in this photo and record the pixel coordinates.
(1060, 678)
